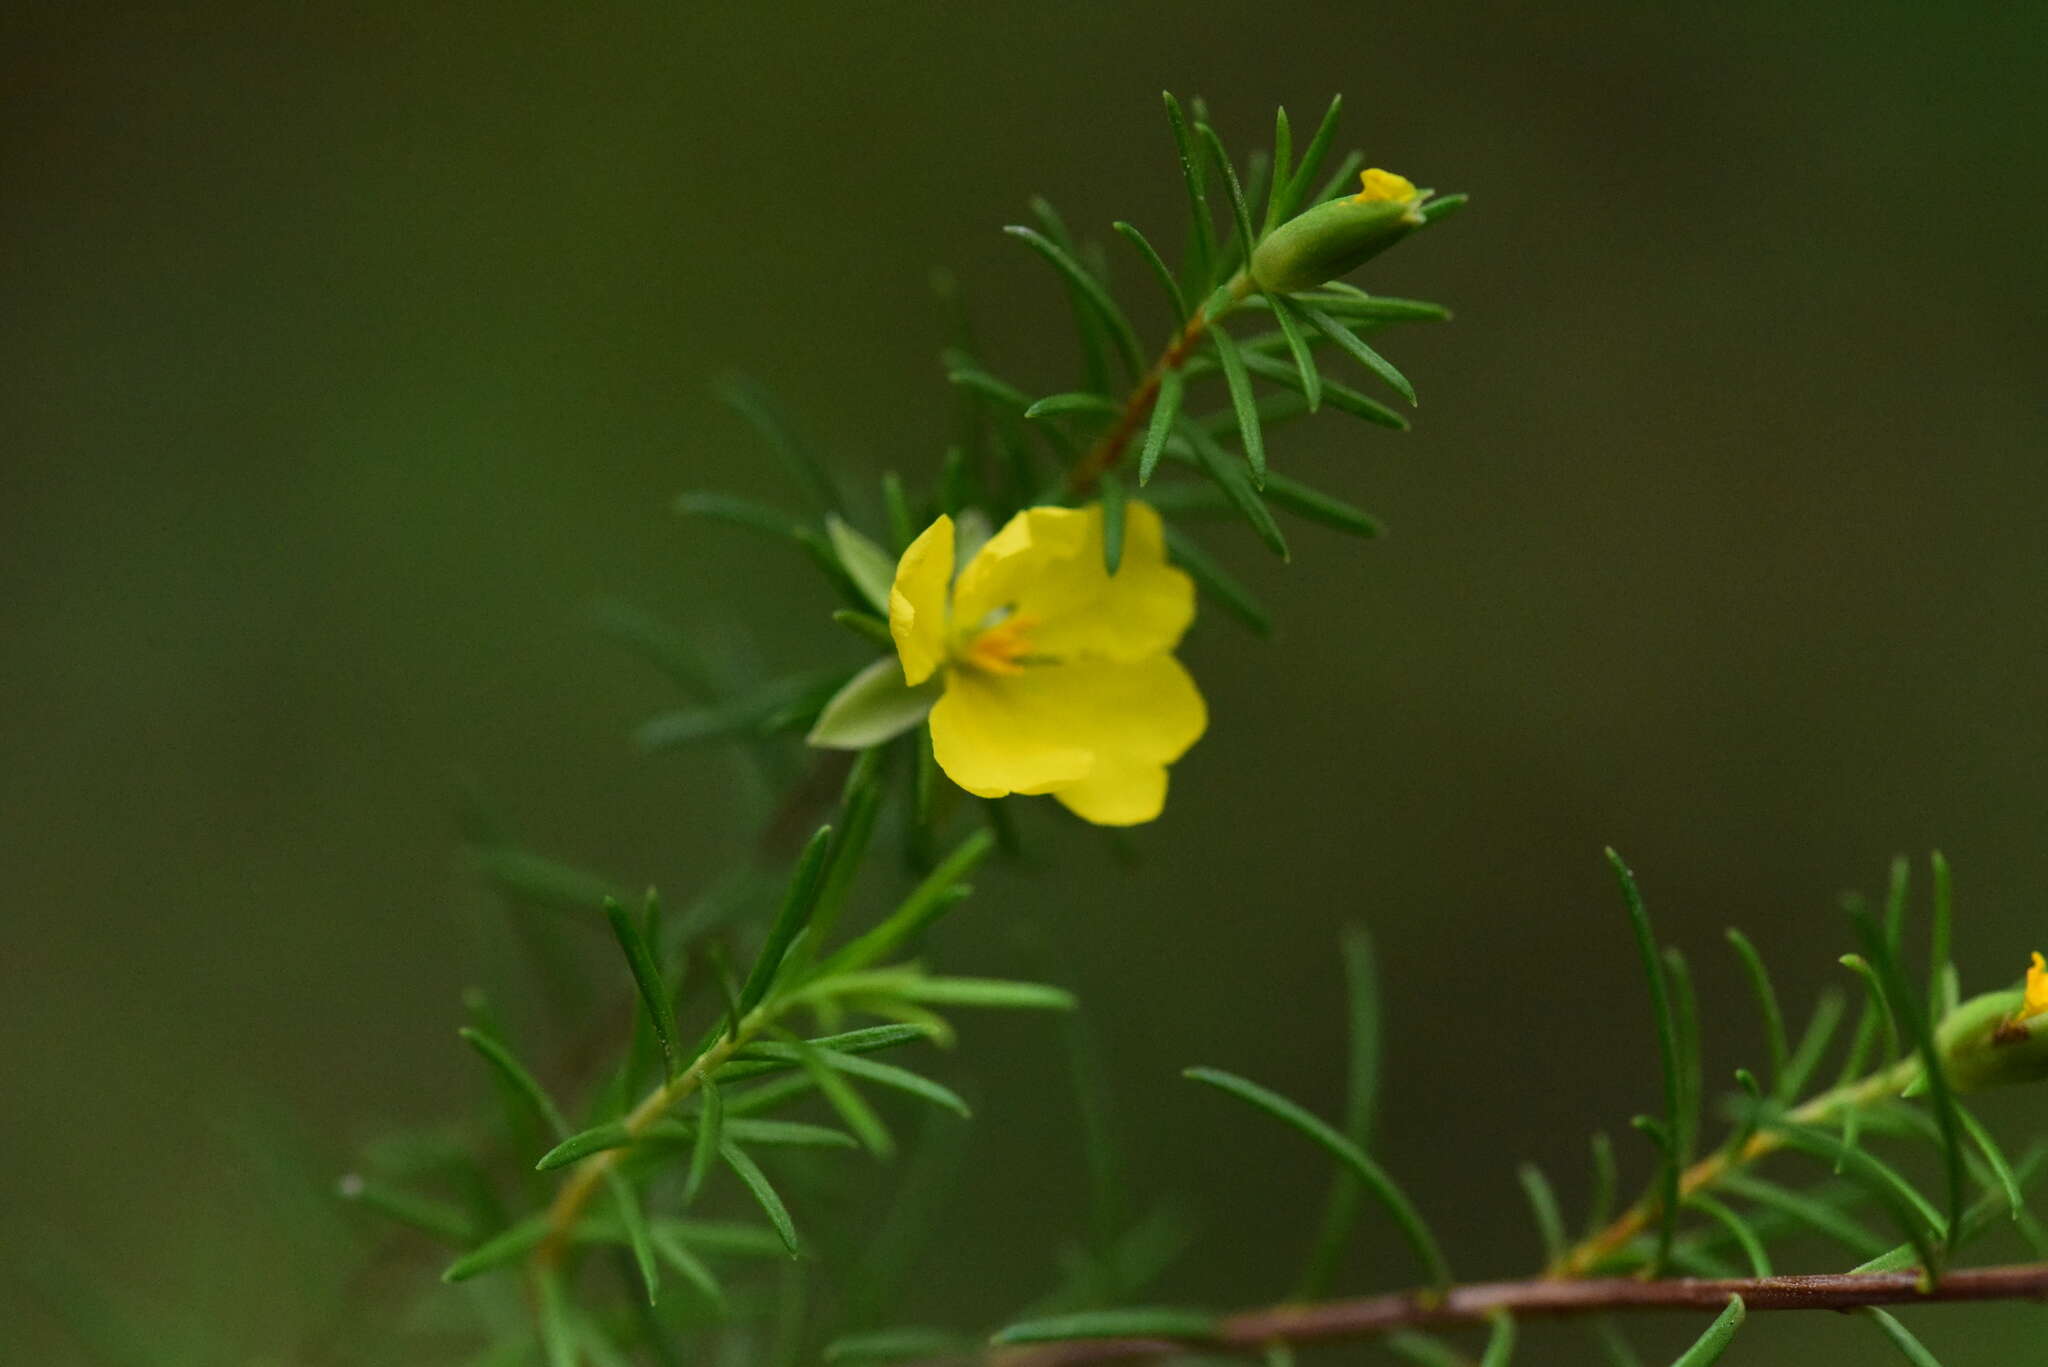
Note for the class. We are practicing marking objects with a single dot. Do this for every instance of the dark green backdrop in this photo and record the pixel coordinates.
(346, 353)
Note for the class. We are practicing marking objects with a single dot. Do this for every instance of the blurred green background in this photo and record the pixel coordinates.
(347, 353)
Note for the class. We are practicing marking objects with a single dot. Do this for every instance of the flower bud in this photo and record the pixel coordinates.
(1339, 235)
(1990, 1041)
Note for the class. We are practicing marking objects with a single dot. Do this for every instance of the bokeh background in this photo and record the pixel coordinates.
(347, 353)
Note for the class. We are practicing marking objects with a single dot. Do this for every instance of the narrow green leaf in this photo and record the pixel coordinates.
(865, 625)
(543, 882)
(859, 803)
(1340, 180)
(517, 1077)
(1691, 1086)
(1606, 1181)
(1878, 943)
(1159, 269)
(1151, 1323)
(979, 381)
(1939, 965)
(1317, 506)
(894, 1345)
(754, 403)
(1802, 1209)
(1352, 344)
(865, 1040)
(1443, 206)
(1423, 1349)
(1201, 232)
(902, 527)
(763, 1190)
(1917, 1220)
(1902, 1338)
(1981, 1213)
(1287, 202)
(693, 1269)
(1112, 491)
(797, 906)
(1090, 289)
(1297, 346)
(794, 1134)
(1340, 300)
(998, 993)
(433, 1218)
(1612, 1341)
(1435, 1270)
(1752, 1246)
(501, 1248)
(925, 903)
(1341, 397)
(1994, 1157)
(1242, 400)
(1500, 1344)
(1223, 470)
(1766, 1004)
(613, 1134)
(1283, 172)
(1812, 1047)
(654, 995)
(840, 1095)
(1665, 1019)
(1165, 408)
(634, 1221)
(901, 1079)
(749, 716)
(1076, 401)
(1543, 1205)
(872, 569)
(739, 512)
(558, 1336)
(1088, 327)
(1218, 583)
(1240, 213)
(1710, 1345)
(710, 1136)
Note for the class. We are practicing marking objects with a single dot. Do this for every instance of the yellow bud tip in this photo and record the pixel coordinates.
(2036, 1002)
(1383, 185)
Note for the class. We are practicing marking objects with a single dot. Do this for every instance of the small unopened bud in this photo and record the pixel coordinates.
(1999, 1039)
(1340, 235)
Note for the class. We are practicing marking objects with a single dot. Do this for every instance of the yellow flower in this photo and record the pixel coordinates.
(1057, 677)
(2035, 1002)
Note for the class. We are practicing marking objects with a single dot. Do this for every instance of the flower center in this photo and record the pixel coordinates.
(1001, 648)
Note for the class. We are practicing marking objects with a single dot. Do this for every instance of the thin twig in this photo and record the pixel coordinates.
(1476, 1303)
(1585, 1257)
(1109, 448)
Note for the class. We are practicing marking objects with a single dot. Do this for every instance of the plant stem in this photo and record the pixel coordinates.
(1477, 1303)
(1111, 445)
(585, 1177)
(1585, 1256)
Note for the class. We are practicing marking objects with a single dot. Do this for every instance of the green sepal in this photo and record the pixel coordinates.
(875, 706)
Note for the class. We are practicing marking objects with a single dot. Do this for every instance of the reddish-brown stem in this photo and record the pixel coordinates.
(1479, 1302)
(1109, 448)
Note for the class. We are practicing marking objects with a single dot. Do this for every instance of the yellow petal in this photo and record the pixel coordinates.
(2037, 989)
(1046, 564)
(917, 601)
(1096, 733)
(1117, 793)
(1376, 185)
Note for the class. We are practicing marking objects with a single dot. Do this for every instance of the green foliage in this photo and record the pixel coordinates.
(657, 1194)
